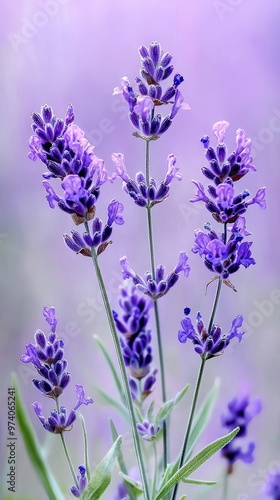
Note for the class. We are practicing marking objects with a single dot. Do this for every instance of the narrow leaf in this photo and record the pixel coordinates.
(101, 476)
(113, 402)
(137, 487)
(150, 411)
(121, 461)
(203, 417)
(33, 449)
(198, 481)
(114, 372)
(167, 408)
(194, 463)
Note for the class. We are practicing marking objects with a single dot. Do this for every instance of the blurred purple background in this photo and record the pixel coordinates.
(62, 51)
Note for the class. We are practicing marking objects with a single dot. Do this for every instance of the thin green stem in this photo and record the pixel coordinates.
(155, 468)
(85, 445)
(198, 384)
(189, 426)
(215, 305)
(158, 329)
(148, 162)
(128, 396)
(225, 486)
(66, 451)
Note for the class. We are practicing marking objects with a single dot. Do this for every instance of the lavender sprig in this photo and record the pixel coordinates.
(240, 412)
(155, 68)
(47, 357)
(221, 255)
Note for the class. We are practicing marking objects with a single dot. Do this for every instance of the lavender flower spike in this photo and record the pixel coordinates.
(143, 104)
(148, 431)
(156, 288)
(135, 341)
(47, 356)
(208, 344)
(62, 147)
(224, 259)
(58, 422)
(240, 413)
(82, 482)
(223, 166)
(139, 190)
(99, 233)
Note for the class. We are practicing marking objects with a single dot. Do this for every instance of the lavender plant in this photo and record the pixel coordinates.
(79, 175)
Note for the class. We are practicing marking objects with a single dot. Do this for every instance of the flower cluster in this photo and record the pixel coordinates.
(82, 482)
(99, 236)
(224, 258)
(161, 284)
(155, 68)
(240, 413)
(224, 170)
(208, 344)
(148, 431)
(221, 255)
(62, 147)
(47, 357)
(135, 341)
(141, 191)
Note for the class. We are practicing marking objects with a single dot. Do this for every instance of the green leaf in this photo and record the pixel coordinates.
(183, 497)
(203, 417)
(121, 461)
(137, 487)
(33, 449)
(110, 362)
(101, 477)
(167, 474)
(167, 408)
(194, 463)
(113, 402)
(150, 411)
(198, 481)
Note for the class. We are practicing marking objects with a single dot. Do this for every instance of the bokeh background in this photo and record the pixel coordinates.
(62, 51)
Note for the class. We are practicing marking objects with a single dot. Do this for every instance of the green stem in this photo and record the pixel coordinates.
(215, 305)
(128, 396)
(66, 451)
(198, 384)
(158, 329)
(155, 469)
(225, 486)
(85, 445)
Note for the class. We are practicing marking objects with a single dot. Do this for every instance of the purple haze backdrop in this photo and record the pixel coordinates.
(62, 51)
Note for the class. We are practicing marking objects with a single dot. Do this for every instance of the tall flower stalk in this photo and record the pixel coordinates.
(156, 309)
(127, 391)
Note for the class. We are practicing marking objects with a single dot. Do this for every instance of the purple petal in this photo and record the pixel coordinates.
(81, 397)
(219, 129)
(50, 317)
